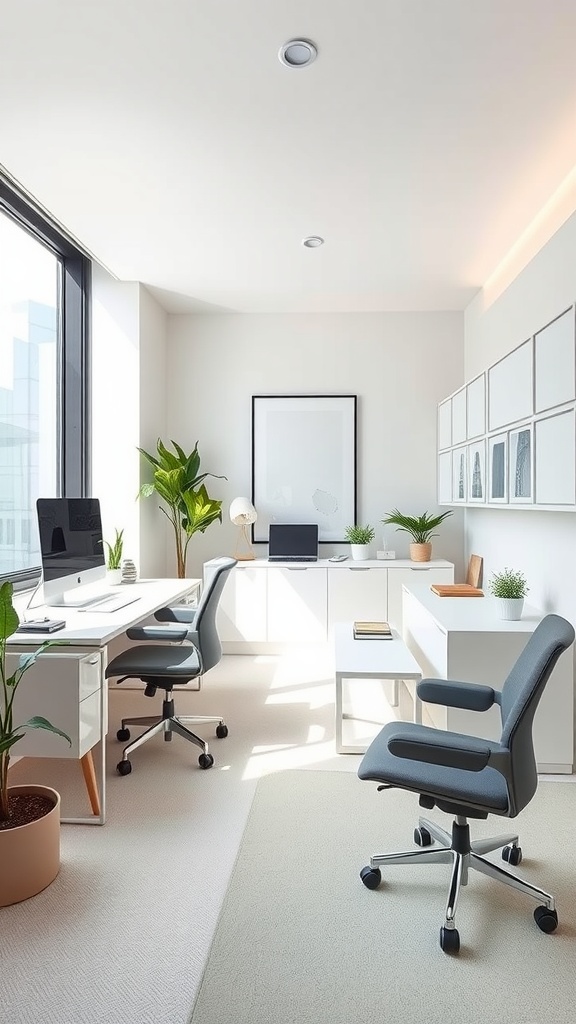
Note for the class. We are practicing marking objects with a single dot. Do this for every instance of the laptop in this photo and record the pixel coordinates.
(293, 542)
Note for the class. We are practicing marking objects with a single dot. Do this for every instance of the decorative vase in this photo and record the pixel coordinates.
(421, 552)
(129, 572)
(360, 552)
(30, 853)
(511, 607)
(114, 577)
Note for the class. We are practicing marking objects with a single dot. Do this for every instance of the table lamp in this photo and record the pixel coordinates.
(243, 514)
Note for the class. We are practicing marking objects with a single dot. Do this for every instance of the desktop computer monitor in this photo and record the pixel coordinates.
(71, 546)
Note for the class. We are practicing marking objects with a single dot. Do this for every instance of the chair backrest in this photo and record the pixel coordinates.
(204, 634)
(521, 694)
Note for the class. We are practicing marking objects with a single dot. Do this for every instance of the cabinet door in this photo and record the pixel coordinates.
(397, 578)
(241, 613)
(356, 592)
(296, 604)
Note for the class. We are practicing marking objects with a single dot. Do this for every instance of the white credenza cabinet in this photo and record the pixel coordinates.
(266, 605)
(65, 687)
(464, 638)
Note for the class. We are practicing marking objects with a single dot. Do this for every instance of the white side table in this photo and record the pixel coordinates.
(369, 659)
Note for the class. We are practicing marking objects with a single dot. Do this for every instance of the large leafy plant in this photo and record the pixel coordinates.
(9, 732)
(421, 528)
(177, 480)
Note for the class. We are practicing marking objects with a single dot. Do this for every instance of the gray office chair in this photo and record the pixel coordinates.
(167, 663)
(470, 777)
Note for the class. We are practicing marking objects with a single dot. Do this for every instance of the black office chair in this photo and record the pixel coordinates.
(193, 650)
(470, 777)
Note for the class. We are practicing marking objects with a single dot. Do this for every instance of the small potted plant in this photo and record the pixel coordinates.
(29, 814)
(510, 587)
(114, 560)
(359, 538)
(421, 529)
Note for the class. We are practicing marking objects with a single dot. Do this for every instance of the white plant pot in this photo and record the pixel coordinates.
(511, 607)
(360, 552)
(113, 577)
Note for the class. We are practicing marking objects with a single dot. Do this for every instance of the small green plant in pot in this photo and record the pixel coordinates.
(359, 538)
(421, 528)
(510, 587)
(114, 558)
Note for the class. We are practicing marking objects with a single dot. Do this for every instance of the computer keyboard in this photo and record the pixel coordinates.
(292, 558)
(108, 604)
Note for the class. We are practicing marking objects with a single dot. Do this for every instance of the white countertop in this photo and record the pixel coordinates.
(351, 563)
(480, 614)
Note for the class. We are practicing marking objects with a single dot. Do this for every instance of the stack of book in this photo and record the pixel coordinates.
(372, 631)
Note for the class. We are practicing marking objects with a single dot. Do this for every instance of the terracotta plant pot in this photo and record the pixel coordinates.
(421, 552)
(30, 854)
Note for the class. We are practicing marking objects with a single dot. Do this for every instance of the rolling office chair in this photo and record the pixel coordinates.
(165, 665)
(470, 777)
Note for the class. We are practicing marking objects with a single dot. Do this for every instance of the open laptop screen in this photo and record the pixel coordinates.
(293, 540)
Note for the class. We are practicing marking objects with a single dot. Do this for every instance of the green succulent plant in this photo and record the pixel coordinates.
(421, 528)
(114, 560)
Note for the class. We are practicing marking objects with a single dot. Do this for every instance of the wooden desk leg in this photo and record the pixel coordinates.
(89, 773)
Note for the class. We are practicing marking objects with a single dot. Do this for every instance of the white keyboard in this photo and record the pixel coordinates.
(109, 604)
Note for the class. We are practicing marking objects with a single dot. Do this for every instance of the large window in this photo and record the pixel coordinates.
(44, 295)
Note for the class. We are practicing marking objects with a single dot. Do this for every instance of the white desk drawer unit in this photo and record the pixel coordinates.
(265, 606)
(464, 638)
(66, 688)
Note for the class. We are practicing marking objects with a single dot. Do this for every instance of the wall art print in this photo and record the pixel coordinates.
(498, 468)
(520, 465)
(459, 474)
(477, 471)
(304, 463)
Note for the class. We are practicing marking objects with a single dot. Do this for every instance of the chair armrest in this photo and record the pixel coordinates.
(449, 749)
(177, 613)
(172, 633)
(455, 694)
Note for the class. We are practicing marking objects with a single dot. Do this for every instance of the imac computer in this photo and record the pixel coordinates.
(71, 548)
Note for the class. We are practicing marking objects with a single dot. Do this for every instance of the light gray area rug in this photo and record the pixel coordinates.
(300, 940)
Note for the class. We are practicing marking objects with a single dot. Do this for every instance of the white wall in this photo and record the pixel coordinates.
(399, 364)
(541, 544)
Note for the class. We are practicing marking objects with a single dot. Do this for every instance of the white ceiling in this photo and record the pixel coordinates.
(168, 138)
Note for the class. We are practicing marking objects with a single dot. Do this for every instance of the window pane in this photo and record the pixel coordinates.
(29, 390)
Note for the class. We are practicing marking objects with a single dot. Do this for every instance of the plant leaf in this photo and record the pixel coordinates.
(37, 722)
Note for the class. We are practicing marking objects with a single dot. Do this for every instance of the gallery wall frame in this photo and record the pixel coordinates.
(477, 471)
(304, 463)
(520, 465)
(555, 459)
(445, 477)
(511, 387)
(498, 468)
(555, 363)
(460, 475)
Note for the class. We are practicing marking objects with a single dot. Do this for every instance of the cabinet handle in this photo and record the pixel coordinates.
(358, 568)
(297, 568)
(93, 659)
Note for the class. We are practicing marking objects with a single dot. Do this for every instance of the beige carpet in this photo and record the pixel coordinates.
(300, 940)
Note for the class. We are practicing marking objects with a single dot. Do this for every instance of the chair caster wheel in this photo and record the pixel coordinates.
(449, 940)
(371, 877)
(123, 735)
(547, 920)
(221, 731)
(422, 836)
(512, 854)
(205, 760)
(124, 767)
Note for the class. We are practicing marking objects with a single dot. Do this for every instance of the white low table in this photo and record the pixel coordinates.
(369, 659)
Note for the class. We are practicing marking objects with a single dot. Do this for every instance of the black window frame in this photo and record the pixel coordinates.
(74, 368)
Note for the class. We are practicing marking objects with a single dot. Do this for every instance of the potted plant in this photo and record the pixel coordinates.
(114, 559)
(421, 529)
(359, 538)
(510, 587)
(29, 814)
(177, 481)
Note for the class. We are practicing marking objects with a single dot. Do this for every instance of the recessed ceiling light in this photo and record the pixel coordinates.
(313, 241)
(297, 53)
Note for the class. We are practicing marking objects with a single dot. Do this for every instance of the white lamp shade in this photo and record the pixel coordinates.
(242, 512)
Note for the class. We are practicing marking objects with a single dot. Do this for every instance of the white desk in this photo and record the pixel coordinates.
(369, 659)
(67, 685)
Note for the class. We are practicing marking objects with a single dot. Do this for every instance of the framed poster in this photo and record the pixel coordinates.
(520, 463)
(555, 459)
(459, 475)
(498, 468)
(304, 463)
(477, 471)
(510, 387)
